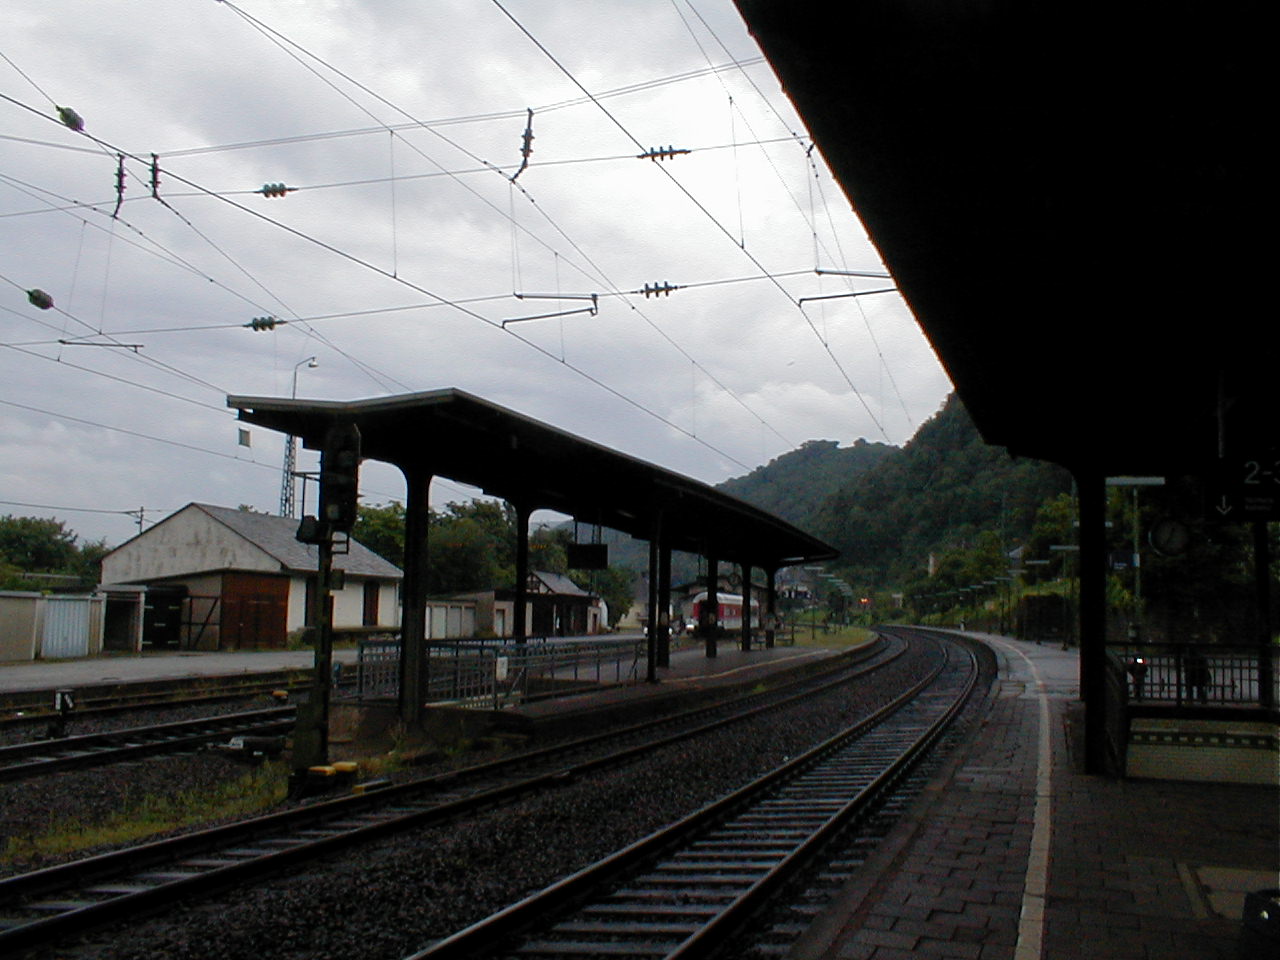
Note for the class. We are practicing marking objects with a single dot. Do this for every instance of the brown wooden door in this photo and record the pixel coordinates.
(255, 611)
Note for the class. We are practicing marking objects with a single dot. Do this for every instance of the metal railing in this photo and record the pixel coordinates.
(489, 675)
(1185, 674)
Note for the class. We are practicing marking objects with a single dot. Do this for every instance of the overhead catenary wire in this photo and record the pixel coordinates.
(283, 40)
(698, 204)
(393, 266)
(370, 266)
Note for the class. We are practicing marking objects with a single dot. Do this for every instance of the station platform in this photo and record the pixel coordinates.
(1015, 854)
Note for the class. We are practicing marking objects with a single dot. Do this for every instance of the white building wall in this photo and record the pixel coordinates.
(389, 605)
(297, 615)
(348, 604)
(188, 542)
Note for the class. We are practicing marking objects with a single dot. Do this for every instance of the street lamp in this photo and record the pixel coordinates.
(287, 501)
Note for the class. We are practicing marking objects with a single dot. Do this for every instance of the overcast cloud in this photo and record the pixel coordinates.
(404, 200)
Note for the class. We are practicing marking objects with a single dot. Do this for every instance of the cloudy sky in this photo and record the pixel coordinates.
(409, 234)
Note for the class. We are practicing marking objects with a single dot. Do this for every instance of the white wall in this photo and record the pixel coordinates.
(190, 541)
(348, 604)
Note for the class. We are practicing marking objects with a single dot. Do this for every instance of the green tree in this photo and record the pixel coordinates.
(615, 586)
(380, 527)
(34, 544)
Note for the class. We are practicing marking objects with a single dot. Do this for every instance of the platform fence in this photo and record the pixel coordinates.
(487, 675)
(1199, 675)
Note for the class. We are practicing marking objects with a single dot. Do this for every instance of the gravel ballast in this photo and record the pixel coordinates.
(391, 898)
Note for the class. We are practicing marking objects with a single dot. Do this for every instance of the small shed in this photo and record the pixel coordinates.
(36, 625)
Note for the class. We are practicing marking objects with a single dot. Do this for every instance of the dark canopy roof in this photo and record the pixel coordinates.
(456, 435)
(1069, 196)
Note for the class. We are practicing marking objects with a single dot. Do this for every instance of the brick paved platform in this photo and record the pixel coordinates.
(1015, 854)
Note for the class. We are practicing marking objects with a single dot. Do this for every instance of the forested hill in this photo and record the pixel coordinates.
(944, 491)
(886, 508)
(797, 485)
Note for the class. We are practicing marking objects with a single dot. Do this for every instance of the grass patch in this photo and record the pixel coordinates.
(152, 815)
(840, 637)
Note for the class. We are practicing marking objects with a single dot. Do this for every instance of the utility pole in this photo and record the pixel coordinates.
(287, 500)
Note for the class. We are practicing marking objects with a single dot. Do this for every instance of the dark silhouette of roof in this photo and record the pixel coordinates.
(454, 434)
(1069, 198)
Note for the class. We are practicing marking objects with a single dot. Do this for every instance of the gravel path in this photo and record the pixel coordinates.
(389, 899)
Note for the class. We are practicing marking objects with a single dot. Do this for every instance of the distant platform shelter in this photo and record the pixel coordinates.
(534, 466)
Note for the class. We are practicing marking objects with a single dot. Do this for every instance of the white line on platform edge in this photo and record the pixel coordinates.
(1031, 923)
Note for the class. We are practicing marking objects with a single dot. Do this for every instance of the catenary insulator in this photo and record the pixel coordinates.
(40, 299)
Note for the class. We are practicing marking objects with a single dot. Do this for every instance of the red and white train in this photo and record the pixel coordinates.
(729, 611)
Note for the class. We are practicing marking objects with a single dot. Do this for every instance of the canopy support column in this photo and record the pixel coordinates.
(664, 600)
(770, 607)
(520, 618)
(709, 615)
(413, 625)
(1093, 620)
(746, 607)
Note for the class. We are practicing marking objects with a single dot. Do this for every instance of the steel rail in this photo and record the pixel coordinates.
(25, 707)
(36, 758)
(761, 873)
(152, 875)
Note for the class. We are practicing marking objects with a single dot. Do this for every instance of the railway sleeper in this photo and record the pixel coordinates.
(652, 909)
(683, 898)
(574, 949)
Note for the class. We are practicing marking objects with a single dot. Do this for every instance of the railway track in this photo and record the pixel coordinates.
(688, 889)
(37, 758)
(40, 907)
(26, 708)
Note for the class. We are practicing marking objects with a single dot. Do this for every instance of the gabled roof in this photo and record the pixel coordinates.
(275, 536)
(558, 583)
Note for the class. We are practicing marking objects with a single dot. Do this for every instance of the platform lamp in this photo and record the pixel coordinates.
(287, 501)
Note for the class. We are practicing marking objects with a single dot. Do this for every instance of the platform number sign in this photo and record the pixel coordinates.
(1246, 488)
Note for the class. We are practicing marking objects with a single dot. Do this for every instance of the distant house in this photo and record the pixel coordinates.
(555, 607)
(219, 579)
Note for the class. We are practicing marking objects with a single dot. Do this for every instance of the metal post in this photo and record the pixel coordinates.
(311, 728)
(413, 626)
(746, 607)
(664, 601)
(651, 639)
(771, 607)
(1093, 620)
(709, 619)
(1262, 589)
(520, 627)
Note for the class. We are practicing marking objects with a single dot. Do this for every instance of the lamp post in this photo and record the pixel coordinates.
(287, 501)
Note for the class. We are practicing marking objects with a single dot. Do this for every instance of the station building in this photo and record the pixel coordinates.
(217, 578)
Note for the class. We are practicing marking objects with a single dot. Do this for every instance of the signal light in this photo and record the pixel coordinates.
(340, 477)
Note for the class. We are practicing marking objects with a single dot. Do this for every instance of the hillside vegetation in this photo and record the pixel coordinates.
(889, 509)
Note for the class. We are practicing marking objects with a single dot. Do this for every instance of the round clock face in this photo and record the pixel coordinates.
(1169, 537)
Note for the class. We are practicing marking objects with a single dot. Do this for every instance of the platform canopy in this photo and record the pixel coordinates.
(1073, 201)
(528, 463)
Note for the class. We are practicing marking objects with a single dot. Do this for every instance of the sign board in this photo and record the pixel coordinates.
(1244, 489)
(587, 556)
